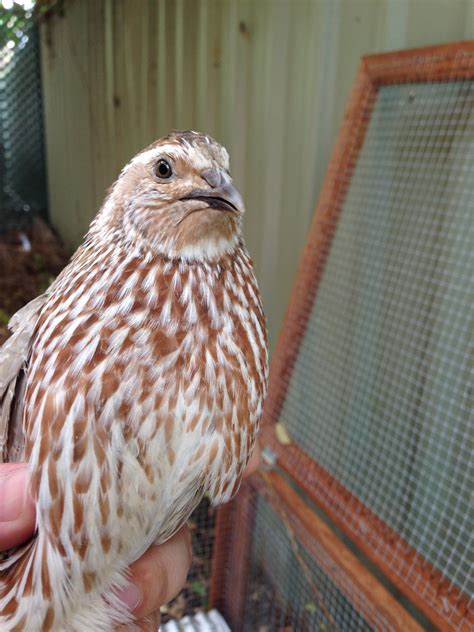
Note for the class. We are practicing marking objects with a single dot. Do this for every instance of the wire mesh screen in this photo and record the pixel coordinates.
(22, 161)
(281, 595)
(386, 408)
(291, 579)
(380, 396)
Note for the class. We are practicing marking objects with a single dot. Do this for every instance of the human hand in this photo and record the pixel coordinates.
(17, 510)
(154, 579)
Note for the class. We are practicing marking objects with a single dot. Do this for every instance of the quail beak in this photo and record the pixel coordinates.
(222, 193)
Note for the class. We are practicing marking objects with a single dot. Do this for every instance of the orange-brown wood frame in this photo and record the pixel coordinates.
(441, 63)
(231, 556)
(370, 590)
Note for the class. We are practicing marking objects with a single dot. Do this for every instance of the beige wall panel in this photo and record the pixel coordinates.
(267, 78)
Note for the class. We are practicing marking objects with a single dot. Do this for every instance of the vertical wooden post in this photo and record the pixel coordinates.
(231, 556)
(221, 555)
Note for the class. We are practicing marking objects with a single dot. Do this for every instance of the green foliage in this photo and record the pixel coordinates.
(199, 588)
(4, 317)
(13, 24)
(38, 261)
(17, 19)
(44, 281)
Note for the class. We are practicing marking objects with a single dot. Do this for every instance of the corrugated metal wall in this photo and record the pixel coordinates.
(267, 78)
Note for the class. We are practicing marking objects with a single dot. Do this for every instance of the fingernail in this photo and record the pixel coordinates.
(130, 596)
(12, 495)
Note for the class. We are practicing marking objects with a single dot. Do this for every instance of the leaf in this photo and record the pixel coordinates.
(282, 434)
(310, 607)
(199, 588)
(44, 281)
(4, 317)
(38, 261)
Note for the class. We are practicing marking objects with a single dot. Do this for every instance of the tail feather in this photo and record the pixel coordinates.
(22, 608)
(13, 556)
(36, 594)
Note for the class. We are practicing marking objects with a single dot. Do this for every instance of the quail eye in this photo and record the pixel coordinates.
(163, 169)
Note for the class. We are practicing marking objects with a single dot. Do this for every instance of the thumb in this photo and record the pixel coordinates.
(17, 510)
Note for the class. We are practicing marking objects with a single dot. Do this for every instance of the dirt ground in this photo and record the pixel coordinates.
(29, 261)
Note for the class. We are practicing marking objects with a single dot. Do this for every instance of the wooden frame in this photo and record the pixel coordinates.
(439, 63)
(236, 525)
(300, 515)
(442, 603)
(231, 556)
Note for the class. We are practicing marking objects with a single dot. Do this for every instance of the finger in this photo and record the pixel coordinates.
(254, 461)
(158, 576)
(151, 623)
(17, 510)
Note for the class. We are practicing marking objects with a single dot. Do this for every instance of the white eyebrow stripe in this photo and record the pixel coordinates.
(172, 150)
(198, 161)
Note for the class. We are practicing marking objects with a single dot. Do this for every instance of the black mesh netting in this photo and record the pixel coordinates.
(22, 161)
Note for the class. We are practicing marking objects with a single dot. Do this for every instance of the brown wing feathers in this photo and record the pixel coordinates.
(13, 363)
